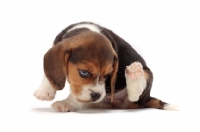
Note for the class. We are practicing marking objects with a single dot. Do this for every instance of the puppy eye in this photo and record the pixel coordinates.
(84, 73)
(106, 76)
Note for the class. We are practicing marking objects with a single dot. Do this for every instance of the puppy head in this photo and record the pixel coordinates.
(86, 61)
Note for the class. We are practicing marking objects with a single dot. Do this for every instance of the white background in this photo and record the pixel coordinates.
(165, 32)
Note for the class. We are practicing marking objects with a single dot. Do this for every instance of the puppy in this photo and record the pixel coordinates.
(103, 71)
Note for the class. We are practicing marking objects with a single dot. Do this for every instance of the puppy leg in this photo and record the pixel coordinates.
(135, 81)
(45, 91)
(67, 105)
(158, 104)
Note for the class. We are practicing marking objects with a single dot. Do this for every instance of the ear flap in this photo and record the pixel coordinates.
(114, 76)
(55, 65)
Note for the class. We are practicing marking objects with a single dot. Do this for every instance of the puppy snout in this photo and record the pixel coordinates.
(95, 96)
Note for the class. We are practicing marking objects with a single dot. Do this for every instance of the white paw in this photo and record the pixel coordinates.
(61, 106)
(135, 81)
(45, 91)
(45, 94)
(170, 107)
(134, 71)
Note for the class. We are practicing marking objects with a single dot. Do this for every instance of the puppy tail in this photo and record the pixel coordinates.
(146, 101)
(158, 104)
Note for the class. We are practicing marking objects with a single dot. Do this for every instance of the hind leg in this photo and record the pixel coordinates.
(135, 81)
(158, 104)
(139, 81)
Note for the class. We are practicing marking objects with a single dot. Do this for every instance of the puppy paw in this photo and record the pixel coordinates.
(61, 106)
(135, 81)
(45, 94)
(134, 71)
(45, 91)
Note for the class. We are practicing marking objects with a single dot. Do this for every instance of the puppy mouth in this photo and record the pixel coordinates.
(90, 93)
(94, 98)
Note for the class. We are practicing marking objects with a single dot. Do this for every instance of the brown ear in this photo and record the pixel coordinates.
(55, 64)
(114, 76)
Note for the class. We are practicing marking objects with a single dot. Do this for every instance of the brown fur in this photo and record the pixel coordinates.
(76, 82)
(154, 103)
(133, 105)
(86, 51)
(146, 76)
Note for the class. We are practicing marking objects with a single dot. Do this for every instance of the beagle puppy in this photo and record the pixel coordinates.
(103, 71)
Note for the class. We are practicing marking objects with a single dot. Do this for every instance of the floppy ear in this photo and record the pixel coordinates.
(114, 76)
(55, 64)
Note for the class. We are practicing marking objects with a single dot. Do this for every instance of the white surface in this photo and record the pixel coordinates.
(166, 33)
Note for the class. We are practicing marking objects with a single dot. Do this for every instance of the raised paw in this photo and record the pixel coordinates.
(45, 94)
(134, 71)
(135, 81)
(61, 106)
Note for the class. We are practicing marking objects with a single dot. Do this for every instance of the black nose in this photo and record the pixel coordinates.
(95, 96)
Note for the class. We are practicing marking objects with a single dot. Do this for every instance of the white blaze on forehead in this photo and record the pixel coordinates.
(89, 26)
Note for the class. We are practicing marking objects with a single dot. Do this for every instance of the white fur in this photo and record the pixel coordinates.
(88, 89)
(135, 87)
(45, 91)
(97, 87)
(69, 104)
(92, 27)
(72, 103)
(170, 107)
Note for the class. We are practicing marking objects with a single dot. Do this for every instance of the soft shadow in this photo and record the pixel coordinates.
(43, 109)
(95, 111)
(136, 110)
(107, 111)
(90, 111)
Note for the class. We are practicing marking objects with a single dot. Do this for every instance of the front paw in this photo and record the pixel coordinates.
(45, 94)
(61, 106)
(134, 71)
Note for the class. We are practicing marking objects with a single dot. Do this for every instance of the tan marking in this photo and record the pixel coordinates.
(76, 81)
(146, 76)
(153, 103)
(113, 76)
(106, 69)
(133, 106)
